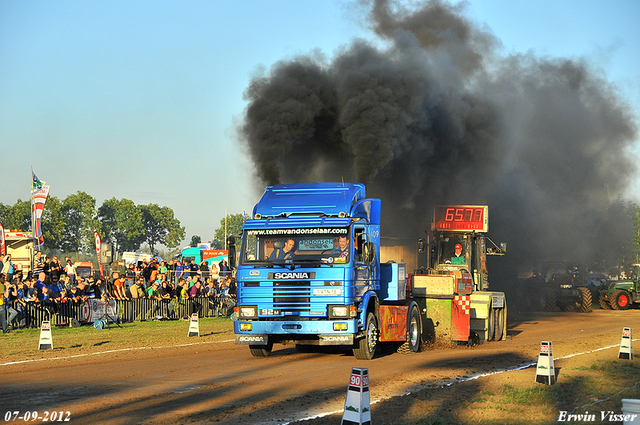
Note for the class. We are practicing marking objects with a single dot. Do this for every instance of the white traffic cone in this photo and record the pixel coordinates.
(626, 345)
(357, 408)
(46, 340)
(545, 371)
(194, 327)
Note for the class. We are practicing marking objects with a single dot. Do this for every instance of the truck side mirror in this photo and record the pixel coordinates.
(368, 253)
(421, 245)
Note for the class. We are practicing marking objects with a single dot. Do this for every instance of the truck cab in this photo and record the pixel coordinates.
(308, 268)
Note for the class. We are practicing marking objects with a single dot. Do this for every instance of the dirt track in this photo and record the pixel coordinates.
(222, 383)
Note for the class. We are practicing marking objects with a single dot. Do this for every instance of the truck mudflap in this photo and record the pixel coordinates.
(252, 339)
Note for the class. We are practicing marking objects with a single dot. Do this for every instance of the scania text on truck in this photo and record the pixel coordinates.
(310, 274)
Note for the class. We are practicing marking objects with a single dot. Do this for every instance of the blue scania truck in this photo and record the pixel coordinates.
(309, 273)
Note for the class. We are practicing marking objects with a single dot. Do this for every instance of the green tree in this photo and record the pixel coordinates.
(79, 211)
(121, 224)
(234, 227)
(616, 236)
(195, 240)
(16, 216)
(161, 227)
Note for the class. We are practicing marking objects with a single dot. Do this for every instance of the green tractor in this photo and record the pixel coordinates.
(620, 294)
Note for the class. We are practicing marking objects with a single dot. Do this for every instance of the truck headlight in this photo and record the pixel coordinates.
(338, 311)
(248, 312)
(245, 326)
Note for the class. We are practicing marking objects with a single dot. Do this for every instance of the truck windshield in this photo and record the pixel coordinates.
(277, 246)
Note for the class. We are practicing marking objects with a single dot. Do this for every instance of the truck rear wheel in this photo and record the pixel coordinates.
(585, 300)
(621, 300)
(604, 304)
(261, 350)
(366, 348)
(414, 333)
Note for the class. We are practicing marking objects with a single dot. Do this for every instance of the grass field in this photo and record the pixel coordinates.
(22, 344)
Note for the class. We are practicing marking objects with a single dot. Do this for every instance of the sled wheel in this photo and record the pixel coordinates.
(499, 322)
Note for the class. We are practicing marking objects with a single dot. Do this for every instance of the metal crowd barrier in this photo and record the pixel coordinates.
(172, 276)
(139, 309)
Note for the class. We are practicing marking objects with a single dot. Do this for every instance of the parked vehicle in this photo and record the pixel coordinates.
(622, 293)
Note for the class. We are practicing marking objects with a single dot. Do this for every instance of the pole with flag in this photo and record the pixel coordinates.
(39, 193)
(98, 242)
(3, 247)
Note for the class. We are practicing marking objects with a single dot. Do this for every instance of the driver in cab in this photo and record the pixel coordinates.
(458, 258)
(342, 250)
(286, 253)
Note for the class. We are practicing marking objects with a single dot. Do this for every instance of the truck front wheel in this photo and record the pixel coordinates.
(621, 300)
(366, 348)
(261, 350)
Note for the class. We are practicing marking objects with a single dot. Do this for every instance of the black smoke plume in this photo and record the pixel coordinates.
(440, 116)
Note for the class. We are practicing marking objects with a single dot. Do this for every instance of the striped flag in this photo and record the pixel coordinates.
(3, 248)
(39, 193)
(98, 242)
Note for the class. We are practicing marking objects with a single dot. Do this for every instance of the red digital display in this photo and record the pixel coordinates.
(461, 218)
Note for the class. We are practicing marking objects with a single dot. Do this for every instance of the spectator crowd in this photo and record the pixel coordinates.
(175, 289)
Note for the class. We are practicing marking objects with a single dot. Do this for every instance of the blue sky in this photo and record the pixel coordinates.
(140, 99)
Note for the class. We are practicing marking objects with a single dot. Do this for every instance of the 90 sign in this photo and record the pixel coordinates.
(461, 218)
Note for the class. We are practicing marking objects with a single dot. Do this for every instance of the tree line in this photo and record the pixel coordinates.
(68, 225)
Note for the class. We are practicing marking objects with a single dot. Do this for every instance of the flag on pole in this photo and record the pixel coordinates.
(37, 184)
(98, 242)
(39, 193)
(3, 248)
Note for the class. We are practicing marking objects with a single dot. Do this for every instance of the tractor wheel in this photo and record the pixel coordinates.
(261, 350)
(604, 304)
(621, 300)
(366, 348)
(585, 300)
(414, 334)
(551, 303)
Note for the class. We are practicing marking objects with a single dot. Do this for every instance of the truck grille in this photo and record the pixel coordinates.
(292, 295)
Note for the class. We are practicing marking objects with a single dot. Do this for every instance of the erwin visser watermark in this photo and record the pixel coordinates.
(604, 416)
